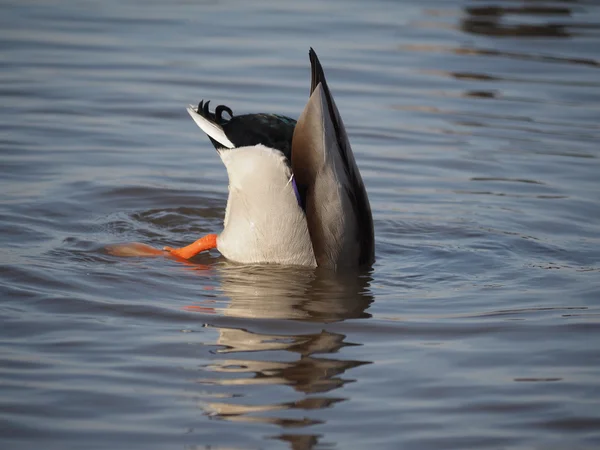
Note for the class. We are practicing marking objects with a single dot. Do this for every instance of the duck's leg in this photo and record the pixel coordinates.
(138, 249)
(133, 249)
(205, 243)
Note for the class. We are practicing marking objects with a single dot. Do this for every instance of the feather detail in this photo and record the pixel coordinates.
(212, 129)
(337, 207)
(271, 130)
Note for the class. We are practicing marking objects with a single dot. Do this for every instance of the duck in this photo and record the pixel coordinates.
(296, 196)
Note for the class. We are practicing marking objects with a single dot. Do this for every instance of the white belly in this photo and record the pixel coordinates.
(263, 221)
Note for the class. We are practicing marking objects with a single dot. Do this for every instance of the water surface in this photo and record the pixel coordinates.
(475, 126)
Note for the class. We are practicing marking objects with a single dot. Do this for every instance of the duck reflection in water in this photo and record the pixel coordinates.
(298, 293)
(311, 299)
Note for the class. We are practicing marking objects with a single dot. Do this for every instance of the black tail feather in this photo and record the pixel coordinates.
(317, 74)
(217, 116)
(219, 113)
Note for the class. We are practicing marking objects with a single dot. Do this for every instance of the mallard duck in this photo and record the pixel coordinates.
(296, 196)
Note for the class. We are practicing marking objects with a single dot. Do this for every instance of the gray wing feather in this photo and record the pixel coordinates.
(337, 207)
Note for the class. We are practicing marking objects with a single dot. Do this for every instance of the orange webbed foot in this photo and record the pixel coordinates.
(205, 243)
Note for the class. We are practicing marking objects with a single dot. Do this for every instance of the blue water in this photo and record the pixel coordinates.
(475, 126)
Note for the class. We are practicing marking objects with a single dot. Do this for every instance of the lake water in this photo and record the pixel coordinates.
(476, 126)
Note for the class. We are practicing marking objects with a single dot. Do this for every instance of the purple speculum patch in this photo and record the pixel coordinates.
(296, 192)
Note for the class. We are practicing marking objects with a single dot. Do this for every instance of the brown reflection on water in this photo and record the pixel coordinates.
(472, 51)
(283, 359)
(308, 374)
(528, 20)
(274, 292)
(488, 20)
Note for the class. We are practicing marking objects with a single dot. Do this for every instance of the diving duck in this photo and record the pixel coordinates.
(296, 196)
